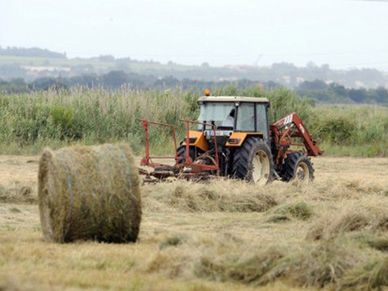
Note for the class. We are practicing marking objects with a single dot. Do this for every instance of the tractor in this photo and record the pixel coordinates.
(233, 138)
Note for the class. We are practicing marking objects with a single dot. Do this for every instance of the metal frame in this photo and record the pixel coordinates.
(284, 130)
(147, 160)
(201, 167)
(196, 167)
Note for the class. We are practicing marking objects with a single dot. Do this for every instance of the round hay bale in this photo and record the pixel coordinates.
(89, 193)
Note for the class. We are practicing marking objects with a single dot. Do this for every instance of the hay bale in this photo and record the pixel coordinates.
(89, 193)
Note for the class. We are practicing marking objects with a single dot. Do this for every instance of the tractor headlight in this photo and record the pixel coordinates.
(234, 140)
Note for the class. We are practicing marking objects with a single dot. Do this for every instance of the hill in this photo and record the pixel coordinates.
(32, 63)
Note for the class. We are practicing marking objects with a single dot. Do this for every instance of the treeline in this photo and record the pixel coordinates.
(117, 79)
(317, 90)
(335, 93)
(30, 52)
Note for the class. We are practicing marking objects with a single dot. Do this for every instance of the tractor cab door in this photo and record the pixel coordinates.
(262, 119)
(252, 117)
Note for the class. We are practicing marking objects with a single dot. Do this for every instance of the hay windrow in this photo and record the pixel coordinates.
(299, 210)
(319, 266)
(19, 194)
(219, 195)
(369, 217)
(89, 193)
(371, 276)
(234, 268)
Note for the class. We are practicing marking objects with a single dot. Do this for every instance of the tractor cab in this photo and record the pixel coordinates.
(233, 114)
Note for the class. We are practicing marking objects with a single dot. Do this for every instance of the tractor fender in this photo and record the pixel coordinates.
(197, 139)
(237, 139)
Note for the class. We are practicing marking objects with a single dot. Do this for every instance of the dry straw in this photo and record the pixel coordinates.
(370, 216)
(89, 193)
(220, 195)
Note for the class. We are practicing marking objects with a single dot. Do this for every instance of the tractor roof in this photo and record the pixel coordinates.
(232, 99)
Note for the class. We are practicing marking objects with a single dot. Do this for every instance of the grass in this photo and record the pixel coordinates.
(32, 121)
(352, 130)
(220, 244)
(81, 116)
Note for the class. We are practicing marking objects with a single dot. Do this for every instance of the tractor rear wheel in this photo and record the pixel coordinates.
(253, 162)
(299, 167)
(181, 153)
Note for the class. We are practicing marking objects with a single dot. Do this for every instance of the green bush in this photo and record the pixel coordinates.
(67, 126)
(337, 130)
(284, 102)
(29, 123)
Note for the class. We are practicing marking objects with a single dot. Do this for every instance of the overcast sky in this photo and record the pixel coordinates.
(342, 33)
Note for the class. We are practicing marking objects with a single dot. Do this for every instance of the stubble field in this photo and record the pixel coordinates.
(223, 235)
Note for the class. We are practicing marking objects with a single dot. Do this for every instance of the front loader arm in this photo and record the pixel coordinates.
(288, 127)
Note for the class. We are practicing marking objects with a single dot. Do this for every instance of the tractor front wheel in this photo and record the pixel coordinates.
(253, 162)
(297, 166)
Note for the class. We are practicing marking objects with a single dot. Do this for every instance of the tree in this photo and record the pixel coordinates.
(114, 79)
(358, 95)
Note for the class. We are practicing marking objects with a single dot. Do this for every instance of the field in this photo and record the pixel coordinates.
(221, 235)
(226, 235)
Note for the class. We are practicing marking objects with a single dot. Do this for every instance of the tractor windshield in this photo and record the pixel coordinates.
(220, 113)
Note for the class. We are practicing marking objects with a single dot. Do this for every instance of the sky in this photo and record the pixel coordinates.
(341, 33)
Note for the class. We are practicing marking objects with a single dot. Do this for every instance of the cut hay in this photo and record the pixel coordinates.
(89, 193)
(372, 276)
(17, 194)
(318, 266)
(299, 210)
(217, 196)
(379, 243)
(245, 270)
(370, 217)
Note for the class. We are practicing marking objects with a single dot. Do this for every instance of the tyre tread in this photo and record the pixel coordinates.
(242, 159)
(291, 162)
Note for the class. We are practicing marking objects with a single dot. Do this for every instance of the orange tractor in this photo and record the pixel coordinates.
(233, 138)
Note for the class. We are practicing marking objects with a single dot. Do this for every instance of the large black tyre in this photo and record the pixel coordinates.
(181, 152)
(297, 166)
(253, 162)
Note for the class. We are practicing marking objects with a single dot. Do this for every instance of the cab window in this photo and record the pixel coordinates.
(246, 117)
(215, 112)
(261, 119)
